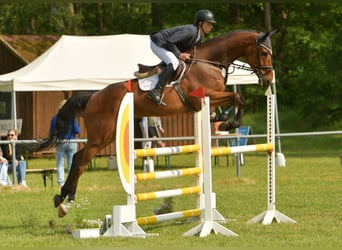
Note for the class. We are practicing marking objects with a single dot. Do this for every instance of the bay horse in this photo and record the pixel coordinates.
(207, 68)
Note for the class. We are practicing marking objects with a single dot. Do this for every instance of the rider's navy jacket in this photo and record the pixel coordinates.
(177, 39)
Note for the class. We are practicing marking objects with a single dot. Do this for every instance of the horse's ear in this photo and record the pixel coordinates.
(266, 35)
(273, 32)
(263, 37)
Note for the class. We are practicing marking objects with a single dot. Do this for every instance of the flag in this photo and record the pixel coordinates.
(129, 85)
(199, 92)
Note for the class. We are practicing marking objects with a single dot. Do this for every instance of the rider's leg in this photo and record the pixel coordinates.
(172, 63)
(156, 94)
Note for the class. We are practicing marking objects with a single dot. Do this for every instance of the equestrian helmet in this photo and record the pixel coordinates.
(204, 15)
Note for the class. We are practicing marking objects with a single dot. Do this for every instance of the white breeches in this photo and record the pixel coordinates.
(165, 55)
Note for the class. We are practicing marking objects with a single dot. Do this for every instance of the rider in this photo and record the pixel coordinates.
(169, 45)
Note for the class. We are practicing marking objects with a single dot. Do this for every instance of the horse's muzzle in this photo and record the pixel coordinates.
(264, 83)
(265, 79)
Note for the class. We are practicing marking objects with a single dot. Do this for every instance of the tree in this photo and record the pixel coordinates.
(306, 47)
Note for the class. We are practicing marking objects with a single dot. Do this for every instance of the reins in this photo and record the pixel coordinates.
(225, 66)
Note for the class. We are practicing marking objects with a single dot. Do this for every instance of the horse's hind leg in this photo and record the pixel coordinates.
(79, 163)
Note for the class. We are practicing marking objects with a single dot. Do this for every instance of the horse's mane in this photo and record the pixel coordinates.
(223, 36)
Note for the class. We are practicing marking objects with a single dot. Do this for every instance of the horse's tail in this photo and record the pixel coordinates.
(64, 122)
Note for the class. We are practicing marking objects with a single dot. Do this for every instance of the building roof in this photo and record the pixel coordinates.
(28, 47)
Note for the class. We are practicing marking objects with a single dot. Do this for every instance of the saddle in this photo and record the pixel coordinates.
(147, 70)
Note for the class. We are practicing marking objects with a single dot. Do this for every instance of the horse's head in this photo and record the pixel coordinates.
(260, 58)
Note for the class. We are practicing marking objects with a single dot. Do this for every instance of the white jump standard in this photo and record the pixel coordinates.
(271, 214)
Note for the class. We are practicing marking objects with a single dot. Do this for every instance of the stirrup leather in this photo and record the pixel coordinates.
(152, 97)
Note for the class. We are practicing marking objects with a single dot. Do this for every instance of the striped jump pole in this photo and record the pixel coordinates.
(167, 150)
(242, 149)
(167, 193)
(169, 216)
(168, 174)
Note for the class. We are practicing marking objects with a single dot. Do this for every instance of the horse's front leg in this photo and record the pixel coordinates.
(222, 116)
(233, 100)
(235, 123)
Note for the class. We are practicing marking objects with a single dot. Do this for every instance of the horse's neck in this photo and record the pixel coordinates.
(226, 50)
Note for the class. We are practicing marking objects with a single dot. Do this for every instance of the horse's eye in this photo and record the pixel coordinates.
(264, 54)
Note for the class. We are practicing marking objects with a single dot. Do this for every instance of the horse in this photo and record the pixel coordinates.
(208, 69)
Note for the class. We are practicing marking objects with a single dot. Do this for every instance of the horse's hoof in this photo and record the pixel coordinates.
(57, 200)
(62, 210)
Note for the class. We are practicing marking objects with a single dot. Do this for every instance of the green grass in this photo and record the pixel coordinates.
(308, 190)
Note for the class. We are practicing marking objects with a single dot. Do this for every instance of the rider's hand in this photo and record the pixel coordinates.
(184, 56)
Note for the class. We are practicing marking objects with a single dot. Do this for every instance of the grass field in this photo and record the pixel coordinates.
(308, 190)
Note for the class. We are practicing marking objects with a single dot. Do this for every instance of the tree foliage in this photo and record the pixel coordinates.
(307, 47)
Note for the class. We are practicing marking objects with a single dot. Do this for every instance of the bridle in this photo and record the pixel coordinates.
(257, 68)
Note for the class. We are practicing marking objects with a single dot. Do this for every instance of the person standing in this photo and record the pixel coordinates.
(66, 149)
(6, 156)
(155, 129)
(171, 44)
(4, 178)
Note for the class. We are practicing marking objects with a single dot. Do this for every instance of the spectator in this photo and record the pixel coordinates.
(155, 128)
(64, 150)
(4, 179)
(7, 157)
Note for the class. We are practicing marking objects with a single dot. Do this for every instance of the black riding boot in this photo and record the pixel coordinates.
(156, 94)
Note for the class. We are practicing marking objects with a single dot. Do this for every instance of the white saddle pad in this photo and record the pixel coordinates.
(148, 83)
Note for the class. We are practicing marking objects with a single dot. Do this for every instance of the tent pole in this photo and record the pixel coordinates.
(14, 119)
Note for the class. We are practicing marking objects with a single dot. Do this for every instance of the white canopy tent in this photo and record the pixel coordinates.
(89, 63)
(82, 63)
